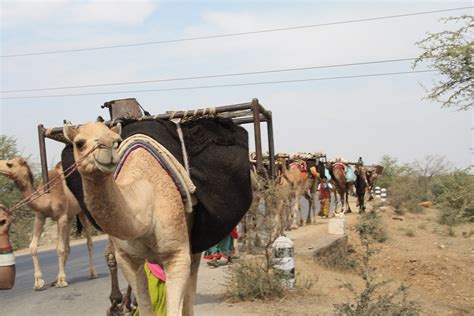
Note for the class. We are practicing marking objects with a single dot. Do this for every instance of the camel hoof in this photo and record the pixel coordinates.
(59, 283)
(115, 311)
(93, 275)
(39, 285)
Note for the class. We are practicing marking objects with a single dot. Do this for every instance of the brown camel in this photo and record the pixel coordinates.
(141, 210)
(59, 205)
(342, 186)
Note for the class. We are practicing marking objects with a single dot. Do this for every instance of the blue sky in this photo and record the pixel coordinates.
(366, 117)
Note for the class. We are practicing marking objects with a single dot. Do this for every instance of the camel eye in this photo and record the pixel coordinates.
(9, 165)
(80, 143)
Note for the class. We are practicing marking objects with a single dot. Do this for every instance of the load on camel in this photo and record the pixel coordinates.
(60, 205)
(136, 189)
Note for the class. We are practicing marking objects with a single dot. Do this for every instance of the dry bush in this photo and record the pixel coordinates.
(371, 228)
(250, 279)
(254, 277)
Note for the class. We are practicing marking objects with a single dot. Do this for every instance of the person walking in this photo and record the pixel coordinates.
(325, 189)
(223, 250)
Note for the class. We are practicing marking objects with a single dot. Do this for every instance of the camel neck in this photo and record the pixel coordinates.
(26, 188)
(109, 207)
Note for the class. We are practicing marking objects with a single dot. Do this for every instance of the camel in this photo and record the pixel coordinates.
(59, 205)
(342, 186)
(142, 212)
(302, 186)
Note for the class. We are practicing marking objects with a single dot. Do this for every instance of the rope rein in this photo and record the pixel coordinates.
(40, 191)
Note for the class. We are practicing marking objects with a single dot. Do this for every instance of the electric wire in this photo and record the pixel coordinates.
(220, 86)
(231, 34)
(208, 76)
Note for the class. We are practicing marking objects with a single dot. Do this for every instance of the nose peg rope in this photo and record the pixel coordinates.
(40, 191)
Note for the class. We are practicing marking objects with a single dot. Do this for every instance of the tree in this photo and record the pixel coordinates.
(451, 53)
(431, 166)
(9, 196)
(392, 170)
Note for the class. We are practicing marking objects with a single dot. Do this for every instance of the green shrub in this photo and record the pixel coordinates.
(454, 194)
(406, 194)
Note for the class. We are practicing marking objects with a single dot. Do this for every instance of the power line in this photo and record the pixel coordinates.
(209, 76)
(231, 34)
(221, 86)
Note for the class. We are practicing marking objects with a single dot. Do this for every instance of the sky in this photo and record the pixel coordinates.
(368, 117)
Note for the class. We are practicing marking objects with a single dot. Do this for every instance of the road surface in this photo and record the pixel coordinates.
(89, 297)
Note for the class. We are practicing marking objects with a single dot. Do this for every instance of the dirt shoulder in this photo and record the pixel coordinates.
(437, 267)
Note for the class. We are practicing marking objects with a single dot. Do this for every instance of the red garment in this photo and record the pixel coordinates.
(324, 193)
(235, 233)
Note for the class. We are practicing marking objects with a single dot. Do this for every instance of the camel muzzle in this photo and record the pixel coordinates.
(106, 159)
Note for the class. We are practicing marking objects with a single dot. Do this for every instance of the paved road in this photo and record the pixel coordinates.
(89, 297)
(91, 294)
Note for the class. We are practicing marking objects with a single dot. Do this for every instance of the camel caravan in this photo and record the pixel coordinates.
(298, 176)
(166, 187)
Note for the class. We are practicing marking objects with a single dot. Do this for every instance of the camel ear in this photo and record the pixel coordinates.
(69, 132)
(117, 129)
(22, 161)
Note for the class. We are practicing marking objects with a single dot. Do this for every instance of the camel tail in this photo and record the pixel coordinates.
(79, 226)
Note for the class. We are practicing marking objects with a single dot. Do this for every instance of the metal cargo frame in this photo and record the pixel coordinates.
(242, 113)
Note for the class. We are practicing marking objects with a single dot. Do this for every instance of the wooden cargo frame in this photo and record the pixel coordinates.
(242, 113)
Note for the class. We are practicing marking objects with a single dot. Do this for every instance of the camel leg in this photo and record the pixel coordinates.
(127, 300)
(61, 250)
(178, 272)
(309, 197)
(37, 230)
(90, 244)
(294, 213)
(135, 274)
(347, 202)
(191, 288)
(115, 297)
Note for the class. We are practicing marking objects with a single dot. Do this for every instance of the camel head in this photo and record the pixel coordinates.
(95, 145)
(16, 169)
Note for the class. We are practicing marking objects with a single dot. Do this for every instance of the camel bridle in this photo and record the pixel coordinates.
(46, 187)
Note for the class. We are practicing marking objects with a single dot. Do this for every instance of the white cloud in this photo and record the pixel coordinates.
(25, 13)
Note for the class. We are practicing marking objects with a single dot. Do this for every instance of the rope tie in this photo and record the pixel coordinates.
(183, 146)
(52, 183)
